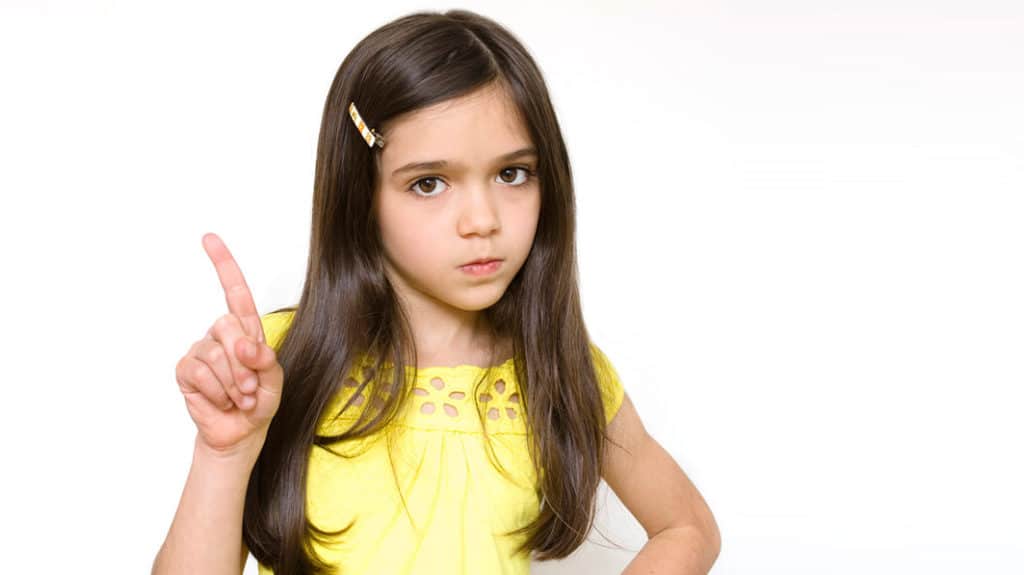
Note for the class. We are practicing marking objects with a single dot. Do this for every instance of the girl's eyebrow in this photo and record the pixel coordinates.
(439, 164)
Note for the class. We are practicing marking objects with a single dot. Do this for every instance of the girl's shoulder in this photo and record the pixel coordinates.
(276, 324)
(608, 381)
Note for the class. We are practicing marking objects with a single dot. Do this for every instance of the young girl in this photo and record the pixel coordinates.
(433, 403)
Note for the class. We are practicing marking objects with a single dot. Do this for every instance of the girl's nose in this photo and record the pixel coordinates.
(479, 212)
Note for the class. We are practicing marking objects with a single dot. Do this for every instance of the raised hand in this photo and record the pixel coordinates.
(230, 378)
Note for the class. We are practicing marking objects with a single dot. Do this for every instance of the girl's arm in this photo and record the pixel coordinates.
(206, 534)
(232, 382)
(683, 536)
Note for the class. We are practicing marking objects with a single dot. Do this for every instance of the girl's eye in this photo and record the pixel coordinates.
(527, 174)
(427, 191)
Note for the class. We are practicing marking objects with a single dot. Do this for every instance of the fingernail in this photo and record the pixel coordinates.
(249, 385)
(248, 401)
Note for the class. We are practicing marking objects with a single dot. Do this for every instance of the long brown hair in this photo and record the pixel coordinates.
(348, 307)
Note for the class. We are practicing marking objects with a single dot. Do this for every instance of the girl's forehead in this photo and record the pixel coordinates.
(484, 124)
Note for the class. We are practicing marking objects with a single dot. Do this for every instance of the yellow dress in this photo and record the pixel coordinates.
(459, 503)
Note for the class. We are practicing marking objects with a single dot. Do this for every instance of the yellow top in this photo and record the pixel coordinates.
(459, 501)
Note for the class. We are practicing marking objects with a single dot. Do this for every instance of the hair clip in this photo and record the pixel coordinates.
(369, 134)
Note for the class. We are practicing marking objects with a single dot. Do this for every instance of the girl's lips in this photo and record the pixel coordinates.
(481, 269)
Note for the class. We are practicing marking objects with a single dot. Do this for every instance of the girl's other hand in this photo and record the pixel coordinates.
(230, 378)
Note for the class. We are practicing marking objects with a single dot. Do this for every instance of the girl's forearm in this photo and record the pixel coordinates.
(675, 552)
(206, 533)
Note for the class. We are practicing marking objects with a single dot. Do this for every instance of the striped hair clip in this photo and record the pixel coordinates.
(369, 134)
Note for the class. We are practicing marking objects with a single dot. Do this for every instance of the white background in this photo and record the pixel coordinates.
(800, 235)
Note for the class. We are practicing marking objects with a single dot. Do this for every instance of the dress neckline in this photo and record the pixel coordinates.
(463, 369)
(460, 367)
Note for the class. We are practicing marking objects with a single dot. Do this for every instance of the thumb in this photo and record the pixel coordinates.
(257, 355)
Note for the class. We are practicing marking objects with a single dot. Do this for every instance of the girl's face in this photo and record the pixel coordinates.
(478, 198)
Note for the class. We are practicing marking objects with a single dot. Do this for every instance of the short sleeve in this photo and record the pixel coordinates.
(275, 325)
(608, 379)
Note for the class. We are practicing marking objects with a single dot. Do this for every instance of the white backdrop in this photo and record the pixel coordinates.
(801, 248)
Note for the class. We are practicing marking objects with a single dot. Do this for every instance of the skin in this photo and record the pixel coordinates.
(434, 220)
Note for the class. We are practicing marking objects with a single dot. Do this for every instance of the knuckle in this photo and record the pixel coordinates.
(179, 372)
(184, 371)
(196, 372)
(215, 353)
(195, 349)
(224, 323)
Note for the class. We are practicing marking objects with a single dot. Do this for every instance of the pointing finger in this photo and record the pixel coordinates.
(236, 291)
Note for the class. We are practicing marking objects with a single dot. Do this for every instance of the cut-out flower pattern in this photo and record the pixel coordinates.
(453, 401)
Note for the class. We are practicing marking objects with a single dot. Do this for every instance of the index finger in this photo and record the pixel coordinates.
(236, 291)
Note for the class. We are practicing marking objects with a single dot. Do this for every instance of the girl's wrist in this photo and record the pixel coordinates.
(243, 454)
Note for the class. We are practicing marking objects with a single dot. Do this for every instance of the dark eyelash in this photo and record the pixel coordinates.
(530, 174)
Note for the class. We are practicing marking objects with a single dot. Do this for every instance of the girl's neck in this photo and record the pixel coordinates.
(445, 335)
(479, 349)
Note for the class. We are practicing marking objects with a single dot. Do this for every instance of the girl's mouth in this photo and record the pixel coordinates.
(481, 269)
